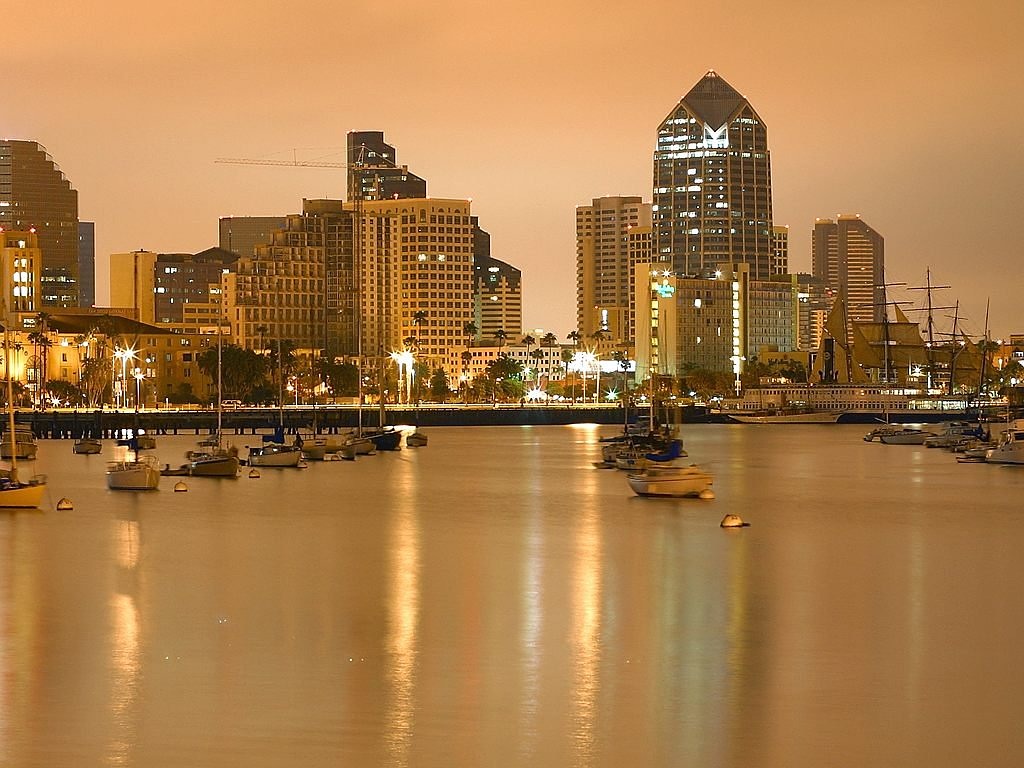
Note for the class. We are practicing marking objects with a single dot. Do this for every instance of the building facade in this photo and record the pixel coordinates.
(35, 194)
(20, 262)
(716, 322)
(603, 267)
(849, 256)
(374, 173)
(712, 183)
(780, 250)
(133, 284)
(497, 298)
(241, 234)
(86, 263)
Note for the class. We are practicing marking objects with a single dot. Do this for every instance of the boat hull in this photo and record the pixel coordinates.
(275, 456)
(133, 476)
(416, 439)
(213, 466)
(22, 497)
(674, 482)
(87, 447)
(388, 440)
(813, 417)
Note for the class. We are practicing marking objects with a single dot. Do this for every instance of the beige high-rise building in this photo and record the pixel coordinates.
(132, 283)
(415, 276)
(21, 264)
(603, 268)
(850, 257)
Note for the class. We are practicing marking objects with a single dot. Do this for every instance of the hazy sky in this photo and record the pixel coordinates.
(909, 113)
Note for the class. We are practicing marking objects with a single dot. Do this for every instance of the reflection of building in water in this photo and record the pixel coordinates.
(125, 662)
(402, 641)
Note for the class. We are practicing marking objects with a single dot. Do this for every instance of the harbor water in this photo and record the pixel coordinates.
(493, 600)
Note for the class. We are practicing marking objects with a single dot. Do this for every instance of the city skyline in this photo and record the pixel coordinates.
(531, 115)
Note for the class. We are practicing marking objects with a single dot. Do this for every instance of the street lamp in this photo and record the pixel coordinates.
(139, 375)
(124, 355)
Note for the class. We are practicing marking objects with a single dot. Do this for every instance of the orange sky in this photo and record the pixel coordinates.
(909, 113)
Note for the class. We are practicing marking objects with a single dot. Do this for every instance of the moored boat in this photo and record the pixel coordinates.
(24, 445)
(87, 446)
(1010, 448)
(275, 455)
(416, 439)
(907, 436)
(133, 473)
(672, 481)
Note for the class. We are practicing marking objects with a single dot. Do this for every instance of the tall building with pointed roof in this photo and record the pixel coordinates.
(712, 183)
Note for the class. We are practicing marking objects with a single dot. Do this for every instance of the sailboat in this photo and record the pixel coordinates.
(15, 494)
(274, 452)
(215, 460)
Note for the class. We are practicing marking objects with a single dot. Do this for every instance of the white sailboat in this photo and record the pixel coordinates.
(274, 452)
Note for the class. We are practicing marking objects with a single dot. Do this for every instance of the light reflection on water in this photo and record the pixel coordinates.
(492, 599)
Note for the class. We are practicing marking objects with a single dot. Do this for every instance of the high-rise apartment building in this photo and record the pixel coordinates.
(415, 275)
(35, 194)
(86, 263)
(849, 257)
(374, 173)
(497, 298)
(603, 263)
(712, 183)
(241, 234)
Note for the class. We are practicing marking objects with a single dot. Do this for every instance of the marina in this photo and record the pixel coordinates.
(364, 612)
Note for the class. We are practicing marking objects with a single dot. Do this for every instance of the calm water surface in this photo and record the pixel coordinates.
(492, 600)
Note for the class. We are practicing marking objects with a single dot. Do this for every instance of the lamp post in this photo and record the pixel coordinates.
(139, 375)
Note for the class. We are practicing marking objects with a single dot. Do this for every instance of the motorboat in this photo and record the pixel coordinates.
(416, 439)
(275, 455)
(955, 432)
(87, 446)
(672, 481)
(144, 441)
(133, 473)
(24, 445)
(1010, 448)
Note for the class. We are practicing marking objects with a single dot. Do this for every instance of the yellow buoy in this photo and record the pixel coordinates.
(707, 493)
(180, 487)
(65, 504)
(254, 473)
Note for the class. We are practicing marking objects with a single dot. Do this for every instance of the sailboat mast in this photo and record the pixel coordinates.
(10, 396)
(219, 380)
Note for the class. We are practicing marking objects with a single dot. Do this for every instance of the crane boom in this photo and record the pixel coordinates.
(301, 163)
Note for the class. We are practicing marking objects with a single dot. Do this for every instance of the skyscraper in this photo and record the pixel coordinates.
(849, 257)
(241, 234)
(86, 263)
(34, 194)
(603, 268)
(374, 173)
(712, 183)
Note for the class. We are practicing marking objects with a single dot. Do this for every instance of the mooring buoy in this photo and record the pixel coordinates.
(733, 521)
(254, 473)
(65, 504)
(180, 487)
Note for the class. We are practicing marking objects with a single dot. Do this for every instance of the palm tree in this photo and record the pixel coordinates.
(550, 341)
(500, 336)
(574, 336)
(471, 331)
